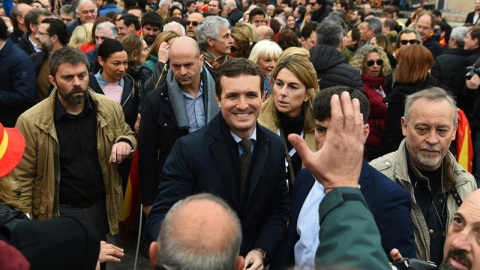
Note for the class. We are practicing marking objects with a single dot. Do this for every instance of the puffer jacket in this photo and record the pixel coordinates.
(38, 174)
(395, 167)
(329, 63)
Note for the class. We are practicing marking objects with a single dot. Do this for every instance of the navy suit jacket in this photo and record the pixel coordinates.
(388, 202)
(208, 161)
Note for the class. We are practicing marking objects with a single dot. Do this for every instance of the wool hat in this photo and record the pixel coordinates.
(12, 144)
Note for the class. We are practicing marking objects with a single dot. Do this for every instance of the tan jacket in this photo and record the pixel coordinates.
(38, 174)
(395, 167)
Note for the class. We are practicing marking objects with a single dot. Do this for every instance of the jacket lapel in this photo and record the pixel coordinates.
(258, 162)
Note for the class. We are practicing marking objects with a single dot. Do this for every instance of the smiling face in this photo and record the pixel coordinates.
(291, 22)
(115, 66)
(87, 12)
(429, 132)
(289, 93)
(266, 63)
(240, 103)
(372, 65)
(462, 245)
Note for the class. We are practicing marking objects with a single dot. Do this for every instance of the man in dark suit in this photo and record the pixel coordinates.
(389, 203)
(215, 160)
(473, 16)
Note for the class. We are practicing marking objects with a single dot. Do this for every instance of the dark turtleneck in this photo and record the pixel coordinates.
(289, 126)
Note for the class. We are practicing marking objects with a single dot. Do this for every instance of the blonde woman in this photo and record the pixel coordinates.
(265, 53)
(82, 34)
(290, 109)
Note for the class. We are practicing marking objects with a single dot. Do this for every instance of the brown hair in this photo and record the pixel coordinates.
(162, 37)
(413, 64)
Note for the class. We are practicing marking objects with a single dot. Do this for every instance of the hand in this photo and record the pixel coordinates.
(395, 254)
(253, 261)
(163, 52)
(147, 209)
(109, 253)
(339, 162)
(120, 151)
(473, 83)
(137, 123)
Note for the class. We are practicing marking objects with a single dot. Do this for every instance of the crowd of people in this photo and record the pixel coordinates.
(291, 133)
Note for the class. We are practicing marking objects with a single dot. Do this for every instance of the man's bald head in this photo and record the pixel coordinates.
(265, 33)
(184, 44)
(200, 232)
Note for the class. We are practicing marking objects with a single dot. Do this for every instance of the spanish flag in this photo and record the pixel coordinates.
(464, 142)
(131, 200)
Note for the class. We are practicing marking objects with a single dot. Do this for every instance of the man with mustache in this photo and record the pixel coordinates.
(181, 104)
(461, 250)
(424, 166)
(74, 140)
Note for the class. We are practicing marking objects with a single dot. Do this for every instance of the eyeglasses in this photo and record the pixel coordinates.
(312, 4)
(233, 49)
(194, 23)
(372, 62)
(42, 34)
(411, 41)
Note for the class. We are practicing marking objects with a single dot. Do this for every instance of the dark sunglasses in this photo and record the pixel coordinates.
(233, 49)
(312, 4)
(411, 41)
(194, 23)
(371, 62)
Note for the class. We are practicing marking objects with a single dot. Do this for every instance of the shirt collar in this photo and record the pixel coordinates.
(252, 137)
(60, 111)
(102, 82)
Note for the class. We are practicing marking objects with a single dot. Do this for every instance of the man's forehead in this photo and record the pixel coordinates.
(68, 68)
(438, 112)
(86, 5)
(469, 208)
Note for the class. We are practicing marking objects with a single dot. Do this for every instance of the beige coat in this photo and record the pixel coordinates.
(395, 167)
(38, 174)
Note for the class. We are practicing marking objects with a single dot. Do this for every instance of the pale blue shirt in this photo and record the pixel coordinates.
(308, 227)
(237, 139)
(102, 82)
(195, 110)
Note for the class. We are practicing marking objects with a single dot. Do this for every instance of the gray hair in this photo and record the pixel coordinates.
(375, 24)
(107, 24)
(174, 24)
(81, 2)
(68, 9)
(265, 48)
(458, 34)
(231, 4)
(210, 28)
(431, 94)
(175, 253)
(67, 55)
(330, 34)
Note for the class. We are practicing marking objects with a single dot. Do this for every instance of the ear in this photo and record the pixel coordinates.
(210, 42)
(100, 61)
(20, 19)
(201, 59)
(54, 38)
(366, 131)
(404, 127)
(240, 263)
(218, 101)
(52, 80)
(308, 95)
(152, 253)
(454, 135)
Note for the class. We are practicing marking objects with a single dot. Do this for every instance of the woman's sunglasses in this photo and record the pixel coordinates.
(371, 62)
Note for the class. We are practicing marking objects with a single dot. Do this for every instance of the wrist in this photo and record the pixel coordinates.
(263, 253)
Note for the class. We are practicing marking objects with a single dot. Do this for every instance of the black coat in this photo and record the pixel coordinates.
(25, 44)
(447, 66)
(320, 14)
(433, 46)
(234, 16)
(392, 135)
(469, 18)
(208, 161)
(332, 70)
(466, 97)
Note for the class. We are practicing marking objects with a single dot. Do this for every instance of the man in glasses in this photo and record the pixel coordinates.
(86, 13)
(193, 21)
(407, 37)
(319, 10)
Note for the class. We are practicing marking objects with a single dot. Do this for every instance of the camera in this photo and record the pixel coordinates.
(414, 264)
(471, 71)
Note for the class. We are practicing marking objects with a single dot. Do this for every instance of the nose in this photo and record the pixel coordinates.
(242, 103)
(432, 138)
(76, 81)
(462, 242)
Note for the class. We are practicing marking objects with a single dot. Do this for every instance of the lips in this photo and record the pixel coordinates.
(458, 264)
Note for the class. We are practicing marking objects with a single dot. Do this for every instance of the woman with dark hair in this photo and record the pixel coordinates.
(113, 81)
(287, 39)
(372, 63)
(412, 75)
(175, 12)
(352, 40)
(291, 25)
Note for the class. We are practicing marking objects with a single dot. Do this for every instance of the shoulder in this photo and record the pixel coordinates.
(385, 164)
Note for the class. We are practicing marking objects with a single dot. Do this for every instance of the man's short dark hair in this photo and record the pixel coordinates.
(391, 24)
(255, 12)
(58, 28)
(13, 15)
(33, 15)
(475, 32)
(189, 3)
(321, 104)
(236, 67)
(344, 4)
(67, 55)
(307, 29)
(3, 30)
(322, 2)
(128, 19)
(330, 34)
(152, 18)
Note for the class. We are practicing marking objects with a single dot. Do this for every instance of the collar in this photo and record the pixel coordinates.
(60, 111)
(35, 46)
(102, 82)
(252, 137)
